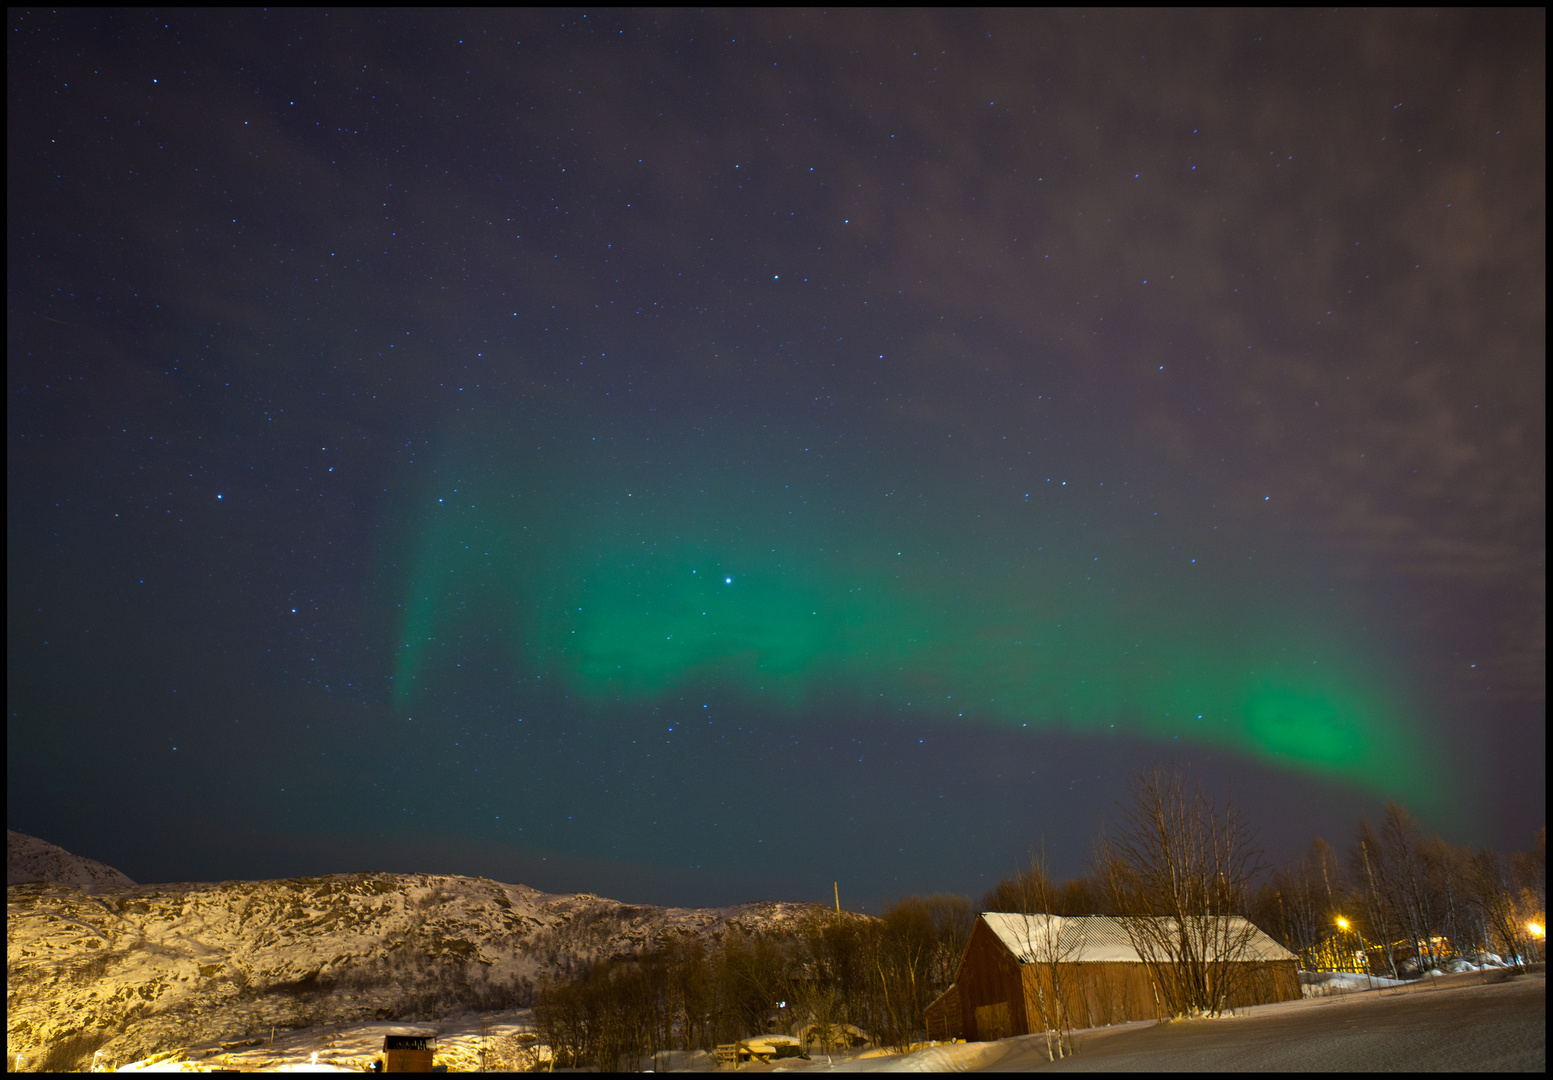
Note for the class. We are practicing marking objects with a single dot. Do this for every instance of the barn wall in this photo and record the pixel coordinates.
(1098, 994)
(1093, 994)
(1264, 982)
(989, 974)
(1256, 982)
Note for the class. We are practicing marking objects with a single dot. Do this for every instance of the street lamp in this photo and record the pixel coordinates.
(1364, 950)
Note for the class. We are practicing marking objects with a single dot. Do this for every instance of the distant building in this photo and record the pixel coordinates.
(1101, 978)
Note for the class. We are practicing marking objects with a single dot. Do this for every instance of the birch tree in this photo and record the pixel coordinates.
(1051, 947)
(1178, 870)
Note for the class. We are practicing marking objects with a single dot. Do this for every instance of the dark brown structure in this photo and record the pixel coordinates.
(942, 1017)
(1099, 978)
(408, 1053)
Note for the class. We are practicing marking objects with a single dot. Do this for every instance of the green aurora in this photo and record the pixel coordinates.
(629, 597)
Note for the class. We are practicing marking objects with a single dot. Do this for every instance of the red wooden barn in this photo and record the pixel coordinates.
(1016, 967)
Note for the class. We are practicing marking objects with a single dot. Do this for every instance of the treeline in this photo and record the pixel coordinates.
(1397, 901)
(1407, 902)
(831, 981)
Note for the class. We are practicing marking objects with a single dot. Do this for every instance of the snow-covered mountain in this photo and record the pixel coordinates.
(156, 966)
(29, 859)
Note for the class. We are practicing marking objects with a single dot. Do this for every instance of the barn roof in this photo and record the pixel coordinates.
(1101, 939)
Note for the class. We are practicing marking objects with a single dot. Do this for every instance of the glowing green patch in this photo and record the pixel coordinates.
(1294, 722)
(809, 625)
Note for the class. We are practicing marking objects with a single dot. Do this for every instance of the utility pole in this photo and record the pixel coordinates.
(836, 885)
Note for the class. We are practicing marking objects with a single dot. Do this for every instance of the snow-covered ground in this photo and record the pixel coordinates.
(1476, 1022)
(465, 1043)
(1473, 1021)
(1325, 983)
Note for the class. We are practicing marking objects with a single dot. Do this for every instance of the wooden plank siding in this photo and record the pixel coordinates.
(1264, 983)
(988, 974)
(942, 1017)
(1095, 993)
(1100, 994)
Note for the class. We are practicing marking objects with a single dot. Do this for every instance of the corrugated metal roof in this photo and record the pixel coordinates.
(1097, 939)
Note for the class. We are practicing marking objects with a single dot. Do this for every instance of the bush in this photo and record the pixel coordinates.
(73, 1053)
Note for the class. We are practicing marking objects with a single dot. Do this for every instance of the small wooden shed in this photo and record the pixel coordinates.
(408, 1053)
(1013, 962)
(942, 1017)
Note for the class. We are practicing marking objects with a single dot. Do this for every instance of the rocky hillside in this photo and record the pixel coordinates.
(141, 968)
(29, 859)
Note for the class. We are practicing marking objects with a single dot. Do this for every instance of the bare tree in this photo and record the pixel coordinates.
(1531, 875)
(1378, 913)
(1178, 871)
(1010, 894)
(1493, 891)
(1406, 910)
(1446, 870)
(562, 1020)
(1077, 896)
(918, 949)
(1083, 896)
(952, 922)
(1404, 869)
(816, 1005)
(688, 993)
(1302, 901)
(749, 973)
(1051, 947)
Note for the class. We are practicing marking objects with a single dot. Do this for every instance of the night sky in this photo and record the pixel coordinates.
(696, 458)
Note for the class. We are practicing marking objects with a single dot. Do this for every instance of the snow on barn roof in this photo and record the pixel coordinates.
(1097, 939)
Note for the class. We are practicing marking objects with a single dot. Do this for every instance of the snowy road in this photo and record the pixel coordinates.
(1465, 1026)
(1458, 1023)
